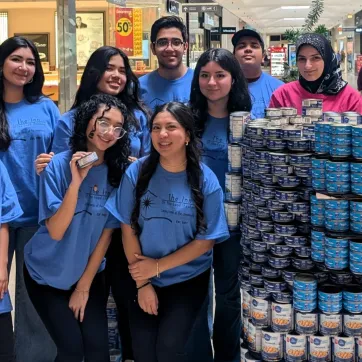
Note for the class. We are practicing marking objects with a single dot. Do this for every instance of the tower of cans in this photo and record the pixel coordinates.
(295, 306)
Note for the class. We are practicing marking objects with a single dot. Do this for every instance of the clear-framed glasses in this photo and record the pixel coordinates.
(162, 43)
(104, 127)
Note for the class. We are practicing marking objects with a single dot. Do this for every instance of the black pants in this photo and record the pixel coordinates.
(119, 280)
(6, 338)
(179, 333)
(227, 322)
(75, 341)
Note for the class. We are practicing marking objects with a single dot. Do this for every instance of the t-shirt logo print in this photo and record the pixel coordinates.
(149, 200)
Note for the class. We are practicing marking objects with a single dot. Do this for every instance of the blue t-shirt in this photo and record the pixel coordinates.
(140, 142)
(156, 90)
(261, 92)
(60, 264)
(168, 217)
(31, 129)
(9, 210)
(215, 146)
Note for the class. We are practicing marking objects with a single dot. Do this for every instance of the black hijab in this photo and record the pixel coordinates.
(330, 82)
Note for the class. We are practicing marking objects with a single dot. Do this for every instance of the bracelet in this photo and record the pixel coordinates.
(158, 275)
(143, 285)
(82, 291)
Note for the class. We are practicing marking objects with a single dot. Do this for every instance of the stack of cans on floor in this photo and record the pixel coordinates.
(113, 335)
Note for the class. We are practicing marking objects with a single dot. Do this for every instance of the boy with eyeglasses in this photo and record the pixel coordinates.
(172, 80)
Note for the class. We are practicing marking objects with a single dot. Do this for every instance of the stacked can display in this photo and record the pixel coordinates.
(282, 319)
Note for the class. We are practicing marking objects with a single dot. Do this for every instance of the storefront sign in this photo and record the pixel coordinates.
(129, 31)
(349, 29)
(224, 30)
(201, 8)
(41, 42)
(173, 7)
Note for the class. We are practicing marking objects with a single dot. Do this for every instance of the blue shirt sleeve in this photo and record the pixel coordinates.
(146, 139)
(9, 203)
(62, 133)
(50, 194)
(112, 222)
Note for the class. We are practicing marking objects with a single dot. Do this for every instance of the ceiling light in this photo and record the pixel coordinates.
(294, 19)
(294, 7)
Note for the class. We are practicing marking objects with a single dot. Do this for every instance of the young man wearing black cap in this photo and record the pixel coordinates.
(249, 51)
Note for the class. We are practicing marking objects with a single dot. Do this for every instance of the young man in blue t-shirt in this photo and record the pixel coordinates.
(172, 80)
(249, 51)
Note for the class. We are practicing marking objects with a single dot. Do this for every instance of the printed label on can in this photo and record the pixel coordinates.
(319, 349)
(245, 327)
(352, 324)
(306, 323)
(359, 349)
(234, 157)
(254, 338)
(271, 346)
(343, 349)
(246, 303)
(330, 324)
(237, 127)
(295, 348)
(232, 212)
(260, 312)
(282, 317)
(233, 187)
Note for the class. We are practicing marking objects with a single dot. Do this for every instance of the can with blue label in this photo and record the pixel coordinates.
(333, 117)
(305, 281)
(340, 129)
(353, 118)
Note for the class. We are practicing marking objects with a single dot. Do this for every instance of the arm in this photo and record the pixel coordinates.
(4, 245)
(79, 298)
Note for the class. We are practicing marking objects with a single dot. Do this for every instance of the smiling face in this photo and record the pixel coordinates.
(19, 67)
(169, 57)
(249, 52)
(168, 136)
(310, 63)
(114, 78)
(215, 82)
(101, 140)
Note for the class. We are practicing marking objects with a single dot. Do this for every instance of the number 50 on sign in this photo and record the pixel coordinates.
(124, 27)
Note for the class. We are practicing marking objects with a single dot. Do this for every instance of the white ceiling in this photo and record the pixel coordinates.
(268, 17)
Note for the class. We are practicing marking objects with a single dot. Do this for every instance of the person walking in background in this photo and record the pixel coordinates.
(359, 81)
(9, 210)
(171, 210)
(27, 123)
(172, 80)
(320, 77)
(64, 260)
(218, 89)
(249, 51)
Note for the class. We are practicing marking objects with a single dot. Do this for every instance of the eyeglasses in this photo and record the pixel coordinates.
(163, 43)
(104, 127)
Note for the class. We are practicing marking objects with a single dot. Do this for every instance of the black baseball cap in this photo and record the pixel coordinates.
(246, 32)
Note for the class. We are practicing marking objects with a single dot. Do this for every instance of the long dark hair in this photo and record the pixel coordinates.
(93, 72)
(115, 157)
(239, 97)
(32, 91)
(184, 117)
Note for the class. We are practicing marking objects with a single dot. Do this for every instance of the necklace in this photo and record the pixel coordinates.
(170, 166)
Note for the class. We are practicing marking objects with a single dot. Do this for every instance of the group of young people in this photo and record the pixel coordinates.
(146, 219)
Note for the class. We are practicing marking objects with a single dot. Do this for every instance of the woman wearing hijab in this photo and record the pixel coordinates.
(320, 78)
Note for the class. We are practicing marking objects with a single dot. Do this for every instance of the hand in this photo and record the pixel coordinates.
(4, 280)
(132, 159)
(79, 174)
(77, 303)
(42, 161)
(147, 299)
(143, 269)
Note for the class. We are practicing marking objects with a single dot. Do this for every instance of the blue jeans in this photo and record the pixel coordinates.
(32, 341)
(227, 322)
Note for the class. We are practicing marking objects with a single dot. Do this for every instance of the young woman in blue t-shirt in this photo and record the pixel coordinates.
(108, 71)
(27, 122)
(219, 88)
(9, 210)
(171, 212)
(64, 261)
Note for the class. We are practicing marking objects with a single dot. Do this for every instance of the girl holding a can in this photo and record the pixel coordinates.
(171, 218)
(108, 71)
(64, 261)
(320, 77)
(27, 122)
(218, 89)
(10, 210)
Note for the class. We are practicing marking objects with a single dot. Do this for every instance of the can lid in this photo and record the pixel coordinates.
(330, 289)
(305, 278)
